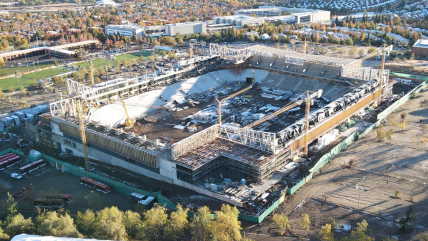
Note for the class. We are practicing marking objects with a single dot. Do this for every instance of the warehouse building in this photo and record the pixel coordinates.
(128, 30)
(185, 28)
(420, 48)
(311, 17)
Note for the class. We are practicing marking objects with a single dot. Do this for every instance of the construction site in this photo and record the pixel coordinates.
(237, 125)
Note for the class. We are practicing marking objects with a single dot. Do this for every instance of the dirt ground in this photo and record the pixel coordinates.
(48, 179)
(367, 190)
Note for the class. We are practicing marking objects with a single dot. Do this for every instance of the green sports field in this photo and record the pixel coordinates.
(27, 79)
(101, 62)
(24, 68)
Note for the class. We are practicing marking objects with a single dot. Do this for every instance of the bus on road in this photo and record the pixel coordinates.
(49, 203)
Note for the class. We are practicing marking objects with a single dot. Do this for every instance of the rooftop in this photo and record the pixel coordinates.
(421, 43)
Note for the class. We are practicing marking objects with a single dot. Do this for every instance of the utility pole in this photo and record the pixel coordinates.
(308, 106)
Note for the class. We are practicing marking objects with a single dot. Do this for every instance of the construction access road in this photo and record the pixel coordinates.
(366, 191)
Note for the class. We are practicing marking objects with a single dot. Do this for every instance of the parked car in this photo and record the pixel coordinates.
(16, 176)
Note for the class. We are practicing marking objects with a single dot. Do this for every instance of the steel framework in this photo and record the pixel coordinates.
(364, 73)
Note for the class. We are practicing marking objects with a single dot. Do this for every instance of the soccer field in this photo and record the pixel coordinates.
(24, 68)
(27, 79)
(102, 62)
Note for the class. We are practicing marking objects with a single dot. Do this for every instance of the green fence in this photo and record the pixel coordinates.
(296, 187)
(402, 100)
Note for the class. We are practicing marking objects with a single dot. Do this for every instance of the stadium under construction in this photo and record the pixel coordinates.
(272, 104)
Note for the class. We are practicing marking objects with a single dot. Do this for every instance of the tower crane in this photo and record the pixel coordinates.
(235, 94)
(130, 122)
(79, 108)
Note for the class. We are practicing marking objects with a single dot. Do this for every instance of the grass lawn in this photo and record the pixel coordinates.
(27, 79)
(101, 62)
(23, 68)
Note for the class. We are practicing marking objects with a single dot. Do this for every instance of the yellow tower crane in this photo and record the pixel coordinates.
(79, 107)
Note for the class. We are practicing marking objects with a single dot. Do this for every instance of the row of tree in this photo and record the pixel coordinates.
(111, 223)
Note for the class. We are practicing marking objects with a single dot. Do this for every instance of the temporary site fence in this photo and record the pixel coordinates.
(126, 189)
(356, 136)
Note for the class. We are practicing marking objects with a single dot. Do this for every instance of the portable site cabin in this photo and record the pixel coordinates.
(148, 202)
(20, 115)
(8, 121)
(136, 197)
(16, 119)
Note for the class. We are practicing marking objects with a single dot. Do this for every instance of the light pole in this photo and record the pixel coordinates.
(359, 191)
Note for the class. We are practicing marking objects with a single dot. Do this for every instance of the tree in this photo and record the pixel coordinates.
(361, 52)
(403, 125)
(133, 225)
(305, 223)
(410, 218)
(380, 132)
(352, 51)
(2, 95)
(55, 79)
(155, 220)
(151, 58)
(280, 222)
(34, 84)
(109, 224)
(342, 52)
(2, 63)
(97, 80)
(117, 64)
(326, 234)
(3, 235)
(8, 207)
(389, 135)
(17, 225)
(200, 225)
(11, 89)
(226, 226)
(55, 63)
(177, 223)
(55, 225)
(85, 221)
(359, 233)
(125, 63)
(349, 41)
(190, 53)
(335, 49)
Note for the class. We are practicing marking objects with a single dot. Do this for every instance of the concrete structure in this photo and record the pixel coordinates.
(127, 30)
(237, 20)
(60, 51)
(185, 28)
(311, 17)
(420, 48)
(191, 159)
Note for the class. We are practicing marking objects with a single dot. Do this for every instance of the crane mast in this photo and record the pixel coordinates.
(82, 132)
(91, 73)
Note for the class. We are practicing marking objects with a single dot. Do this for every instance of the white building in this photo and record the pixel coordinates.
(105, 2)
(272, 11)
(238, 20)
(128, 30)
(311, 17)
(185, 28)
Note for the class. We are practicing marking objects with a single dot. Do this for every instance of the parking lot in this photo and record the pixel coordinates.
(48, 179)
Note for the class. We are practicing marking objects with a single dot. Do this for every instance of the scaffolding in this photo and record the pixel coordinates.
(244, 159)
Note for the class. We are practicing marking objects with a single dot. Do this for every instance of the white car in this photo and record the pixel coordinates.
(15, 175)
